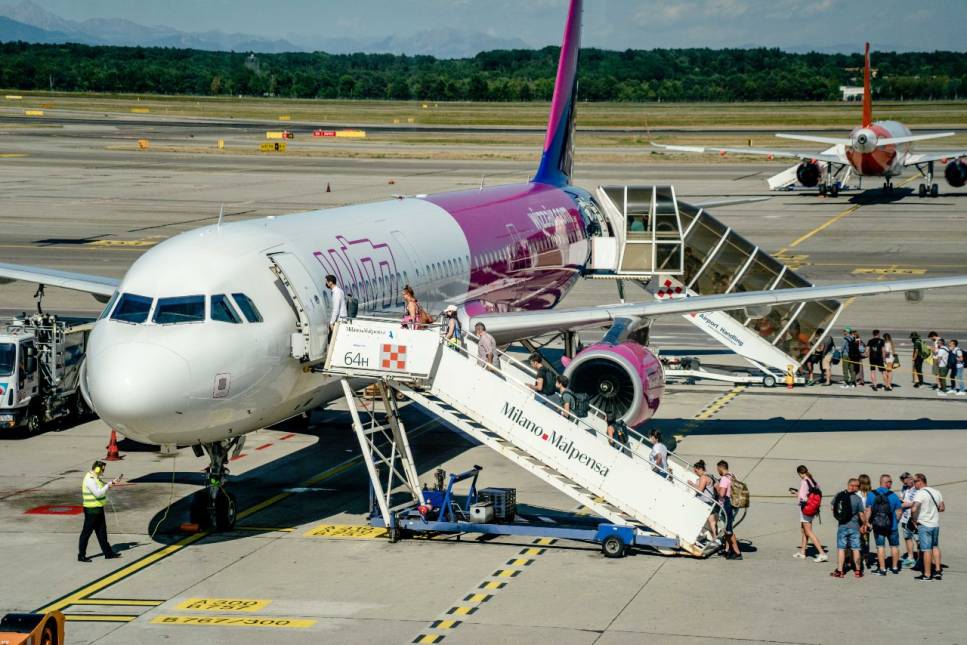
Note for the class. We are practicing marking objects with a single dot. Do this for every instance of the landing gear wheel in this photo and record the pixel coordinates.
(934, 190)
(922, 191)
(613, 547)
(769, 380)
(198, 514)
(226, 510)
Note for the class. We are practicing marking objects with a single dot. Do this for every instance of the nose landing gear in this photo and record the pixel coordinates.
(215, 507)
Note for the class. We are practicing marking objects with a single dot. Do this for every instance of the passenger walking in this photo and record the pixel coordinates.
(941, 361)
(568, 402)
(848, 511)
(486, 347)
(723, 491)
(658, 457)
(545, 379)
(94, 495)
(617, 433)
(452, 329)
(955, 362)
(861, 348)
(824, 357)
(415, 316)
(705, 488)
(907, 493)
(927, 507)
(875, 348)
(865, 494)
(891, 361)
(920, 352)
(337, 299)
(810, 498)
(850, 356)
(884, 518)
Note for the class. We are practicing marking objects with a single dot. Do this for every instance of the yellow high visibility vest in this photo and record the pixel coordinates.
(90, 500)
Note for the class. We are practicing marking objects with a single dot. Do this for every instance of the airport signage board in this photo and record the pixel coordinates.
(381, 348)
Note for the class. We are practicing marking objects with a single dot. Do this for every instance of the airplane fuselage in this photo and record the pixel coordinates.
(870, 160)
(182, 379)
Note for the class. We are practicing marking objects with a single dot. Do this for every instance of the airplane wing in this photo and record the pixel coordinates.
(99, 286)
(913, 137)
(886, 141)
(913, 160)
(507, 327)
(811, 156)
(830, 141)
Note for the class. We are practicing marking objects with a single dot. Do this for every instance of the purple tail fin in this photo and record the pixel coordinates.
(555, 168)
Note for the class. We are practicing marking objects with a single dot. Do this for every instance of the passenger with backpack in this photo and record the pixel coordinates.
(941, 362)
(863, 352)
(452, 329)
(723, 493)
(618, 434)
(810, 500)
(658, 457)
(884, 517)
(848, 511)
(415, 316)
(544, 379)
(956, 365)
(576, 405)
(921, 352)
(850, 356)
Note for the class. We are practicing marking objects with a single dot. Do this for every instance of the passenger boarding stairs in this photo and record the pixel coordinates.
(495, 407)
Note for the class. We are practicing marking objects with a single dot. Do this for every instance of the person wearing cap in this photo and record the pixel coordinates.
(452, 330)
(94, 495)
(907, 494)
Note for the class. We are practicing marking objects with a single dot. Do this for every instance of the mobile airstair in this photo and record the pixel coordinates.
(495, 407)
(676, 250)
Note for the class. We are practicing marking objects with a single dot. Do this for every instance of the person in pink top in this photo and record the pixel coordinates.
(723, 491)
(807, 482)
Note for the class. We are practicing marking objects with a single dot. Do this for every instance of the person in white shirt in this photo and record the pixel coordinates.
(659, 455)
(927, 507)
(338, 298)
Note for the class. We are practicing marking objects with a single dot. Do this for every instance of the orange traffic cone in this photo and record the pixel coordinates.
(112, 448)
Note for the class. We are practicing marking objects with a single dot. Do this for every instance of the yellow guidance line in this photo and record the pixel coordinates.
(824, 226)
(119, 602)
(99, 618)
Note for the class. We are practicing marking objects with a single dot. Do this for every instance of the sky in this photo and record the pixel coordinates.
(611, 24)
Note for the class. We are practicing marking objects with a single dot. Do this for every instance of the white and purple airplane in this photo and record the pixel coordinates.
(195, 345)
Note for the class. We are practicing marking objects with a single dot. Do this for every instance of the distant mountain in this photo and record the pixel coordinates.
(15, 30)
(441, 43)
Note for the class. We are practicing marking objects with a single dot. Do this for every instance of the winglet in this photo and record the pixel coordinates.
(867, 94)
(556, 160)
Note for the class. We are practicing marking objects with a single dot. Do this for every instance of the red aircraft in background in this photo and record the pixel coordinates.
(875, 149)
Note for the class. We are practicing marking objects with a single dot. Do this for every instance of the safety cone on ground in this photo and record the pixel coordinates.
(113, 454)
(790, 377)
(328, 187)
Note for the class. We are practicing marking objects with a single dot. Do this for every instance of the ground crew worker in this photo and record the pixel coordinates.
(94, 493)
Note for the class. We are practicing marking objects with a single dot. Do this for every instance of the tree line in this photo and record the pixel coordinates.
(696, 74)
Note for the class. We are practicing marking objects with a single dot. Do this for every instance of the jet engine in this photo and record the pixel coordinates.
(864, 140)
(956, 173)
(809, 173)
(625, 379)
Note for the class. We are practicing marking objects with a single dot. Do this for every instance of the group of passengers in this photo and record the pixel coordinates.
(881, 355)
(861, 511)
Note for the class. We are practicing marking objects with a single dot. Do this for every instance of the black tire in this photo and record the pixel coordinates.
(226, 510)
(613, 547)
(32, 423)
(199, 510)
(921, 191)
(769, 380)
(934, 190)
(49, 634)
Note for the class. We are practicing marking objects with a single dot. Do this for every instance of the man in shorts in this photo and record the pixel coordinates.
(927, 507)
(848, 533)
(884, 495)
(875, 347)
(907, 494)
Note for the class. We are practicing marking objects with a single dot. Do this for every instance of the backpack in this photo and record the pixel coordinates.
(843, 507)
(952, 358)
(813, 501)
(923, 349)
(853, 350)
(837, 357)
(882, 516)
(740, 494)
(621, 432)
(549, 379)
(422, 316)
(582, 404)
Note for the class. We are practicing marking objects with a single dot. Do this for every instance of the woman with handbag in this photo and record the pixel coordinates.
(810, 499)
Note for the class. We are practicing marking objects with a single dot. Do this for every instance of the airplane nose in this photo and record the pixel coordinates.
(137, 387)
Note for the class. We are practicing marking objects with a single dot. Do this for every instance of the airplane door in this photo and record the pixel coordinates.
(309, 342)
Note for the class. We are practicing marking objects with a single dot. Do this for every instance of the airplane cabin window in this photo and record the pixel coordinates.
(223, 311)
(132, 309)
(182, 309)
(249, 310)
(110, 305)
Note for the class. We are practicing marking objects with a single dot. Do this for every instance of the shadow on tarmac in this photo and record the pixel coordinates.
(782, 424)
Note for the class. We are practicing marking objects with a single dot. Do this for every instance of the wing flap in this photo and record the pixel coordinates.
(913, 160)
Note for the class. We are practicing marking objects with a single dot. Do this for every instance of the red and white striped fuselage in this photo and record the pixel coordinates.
(869, 159)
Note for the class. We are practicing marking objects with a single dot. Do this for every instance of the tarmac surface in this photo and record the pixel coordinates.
(72, 199)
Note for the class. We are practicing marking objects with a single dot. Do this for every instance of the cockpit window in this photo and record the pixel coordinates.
(110, 304)
(249, 310)
(132, 308)
(223, 311)
(183, 309)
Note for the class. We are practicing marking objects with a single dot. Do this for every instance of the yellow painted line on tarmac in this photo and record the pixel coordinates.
(824, 225)
(224, 604)
(99, 618)
(347, 531)
(445, 624)
(429, 639)
(235, 621)
(110, 243)
(119, 602)
(12, 155)
(888, 271)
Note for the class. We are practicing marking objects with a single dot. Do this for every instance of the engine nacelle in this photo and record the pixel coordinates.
(956, 173)
(625, 380)
(864, 140)
(808, 173)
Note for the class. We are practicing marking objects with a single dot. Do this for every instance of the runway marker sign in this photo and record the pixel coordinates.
(234, 621)
(224, 604)
(347, 531)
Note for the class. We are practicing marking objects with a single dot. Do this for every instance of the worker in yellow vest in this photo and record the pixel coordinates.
(94, 493)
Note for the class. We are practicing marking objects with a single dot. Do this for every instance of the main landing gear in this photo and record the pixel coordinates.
(928, 188)
(829, 186)
(214, 507)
